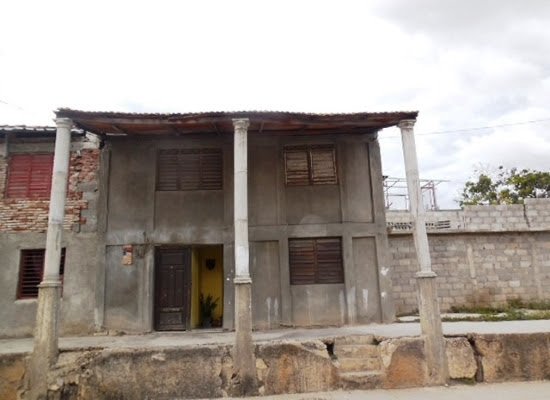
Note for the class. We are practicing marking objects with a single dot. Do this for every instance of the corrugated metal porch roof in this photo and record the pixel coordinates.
(219, 122)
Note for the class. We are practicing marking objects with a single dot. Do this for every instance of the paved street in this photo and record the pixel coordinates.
(500, 391)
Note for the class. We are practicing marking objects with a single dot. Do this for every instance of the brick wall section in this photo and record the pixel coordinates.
(31, 215)
(488, 255)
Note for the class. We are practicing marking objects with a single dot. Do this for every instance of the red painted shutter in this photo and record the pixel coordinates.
(31, 271)
(29, 176)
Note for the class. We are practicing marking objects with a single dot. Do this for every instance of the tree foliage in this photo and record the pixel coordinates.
(507, 186)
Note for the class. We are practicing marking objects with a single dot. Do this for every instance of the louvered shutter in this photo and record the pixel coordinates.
(29, 176)
(211, 168)
(310, 165)
(315, 261)
(329, 260)
(31, 271)
(297, 167)
(167, 170)
(190, 169)
(323, 166)
(302, 261)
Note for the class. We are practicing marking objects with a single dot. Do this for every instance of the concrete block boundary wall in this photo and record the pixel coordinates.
(482, 255)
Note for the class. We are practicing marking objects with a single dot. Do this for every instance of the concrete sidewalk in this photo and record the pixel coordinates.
(201, 337)
(497, 391)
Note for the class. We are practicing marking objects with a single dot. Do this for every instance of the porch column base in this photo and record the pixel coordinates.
(45, 350)
(244, 363)
(432, 330)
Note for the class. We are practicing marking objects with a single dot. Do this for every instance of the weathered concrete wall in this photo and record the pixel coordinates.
(12, 371)
(185, 372)
(484, 255)
(318, 305)
(513, 357)
(23, 224)
(140, 216)
(17, 317)
(208, 371)
(295, 368)
(365, 278)
(266, 306)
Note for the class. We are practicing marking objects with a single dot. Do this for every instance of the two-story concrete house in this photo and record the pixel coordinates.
(149, 222)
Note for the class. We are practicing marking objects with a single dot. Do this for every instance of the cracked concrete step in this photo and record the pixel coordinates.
(356, 350)
(349, 364)
(361, 380)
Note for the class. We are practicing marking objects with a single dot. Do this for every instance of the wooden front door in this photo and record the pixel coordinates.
(172, 288)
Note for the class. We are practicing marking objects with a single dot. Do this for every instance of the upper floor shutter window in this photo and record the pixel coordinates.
(310, 165)
(29, 175)
(190, 169)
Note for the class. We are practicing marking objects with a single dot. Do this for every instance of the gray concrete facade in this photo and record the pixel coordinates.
(145, 218)
(114, 203)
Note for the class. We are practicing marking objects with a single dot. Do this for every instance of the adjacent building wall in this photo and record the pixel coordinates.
(23, 224)
(483, 255)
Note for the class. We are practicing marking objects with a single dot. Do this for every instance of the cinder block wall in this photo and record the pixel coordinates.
(483, 255)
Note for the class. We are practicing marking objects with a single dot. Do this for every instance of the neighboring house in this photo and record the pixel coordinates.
(149, 220)
(26, 157)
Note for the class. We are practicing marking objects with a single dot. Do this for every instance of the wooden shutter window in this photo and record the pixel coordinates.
(310, 165)
(31, 271)
(167, 170)
(297, 167)
(190, 169)
(323, 166)
(211, 169)
(315, 261)
(29, 176)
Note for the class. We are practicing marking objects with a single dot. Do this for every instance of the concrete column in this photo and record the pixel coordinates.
(428, 303)
(46, 330)
(243, 351)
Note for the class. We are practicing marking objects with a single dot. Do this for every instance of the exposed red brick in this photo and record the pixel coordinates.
(32, 214)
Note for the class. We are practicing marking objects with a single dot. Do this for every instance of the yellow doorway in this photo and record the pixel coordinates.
(207, 286)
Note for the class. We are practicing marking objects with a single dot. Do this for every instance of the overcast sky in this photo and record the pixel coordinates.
(462, 64)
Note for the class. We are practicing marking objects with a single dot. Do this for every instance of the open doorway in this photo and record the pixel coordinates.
(207, 288)
(188, 287)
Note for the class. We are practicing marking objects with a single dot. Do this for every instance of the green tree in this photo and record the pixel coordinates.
(507, 186)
